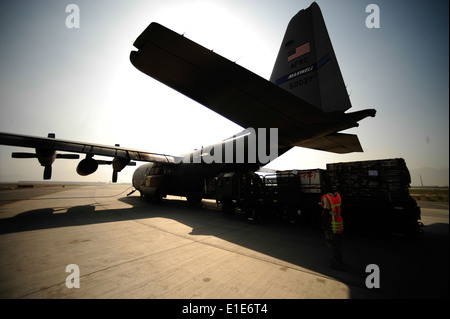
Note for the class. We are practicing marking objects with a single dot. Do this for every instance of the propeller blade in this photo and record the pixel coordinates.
(114, 176)
(23, 155)
(48, 172)
(68, 156)
(102, 162)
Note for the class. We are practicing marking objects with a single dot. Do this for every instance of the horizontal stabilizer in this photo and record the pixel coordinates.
(336, 143)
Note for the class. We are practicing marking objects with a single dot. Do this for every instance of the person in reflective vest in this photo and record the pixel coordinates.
(333, 225)
(334, 209)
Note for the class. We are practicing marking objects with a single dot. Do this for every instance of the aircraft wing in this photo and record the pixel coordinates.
(54, 144)
(231, 90)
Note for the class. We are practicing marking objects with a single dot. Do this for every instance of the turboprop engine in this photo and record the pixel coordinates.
(89, 165)
(46, 156)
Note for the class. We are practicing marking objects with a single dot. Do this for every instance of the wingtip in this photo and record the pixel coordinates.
(141, 39)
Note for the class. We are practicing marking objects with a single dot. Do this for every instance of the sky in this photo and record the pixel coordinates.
(80, 84)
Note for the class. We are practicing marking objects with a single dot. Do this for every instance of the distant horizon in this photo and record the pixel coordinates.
(66, 182)
(63, 183)
(124, 183)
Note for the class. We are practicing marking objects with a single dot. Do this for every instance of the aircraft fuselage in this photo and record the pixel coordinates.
(190, 174)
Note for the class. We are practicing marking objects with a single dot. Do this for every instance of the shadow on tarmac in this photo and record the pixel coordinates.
(409, 268)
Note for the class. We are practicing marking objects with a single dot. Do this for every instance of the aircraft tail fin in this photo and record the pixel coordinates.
(306, 65)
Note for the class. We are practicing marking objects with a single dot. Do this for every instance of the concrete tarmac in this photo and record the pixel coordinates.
(125, 247)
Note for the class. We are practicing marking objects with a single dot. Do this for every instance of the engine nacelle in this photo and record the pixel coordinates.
(87, 166)
(45, 156)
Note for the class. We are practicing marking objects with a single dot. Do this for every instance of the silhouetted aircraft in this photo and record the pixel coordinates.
(304, 101)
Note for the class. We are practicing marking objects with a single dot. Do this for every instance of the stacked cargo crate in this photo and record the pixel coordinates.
(375, 195)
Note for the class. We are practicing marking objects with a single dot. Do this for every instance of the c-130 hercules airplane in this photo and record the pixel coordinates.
(304, 101)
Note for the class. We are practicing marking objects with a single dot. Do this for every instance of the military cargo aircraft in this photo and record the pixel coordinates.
(303, 104)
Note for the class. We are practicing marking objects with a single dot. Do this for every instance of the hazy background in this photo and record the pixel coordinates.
(79, 83)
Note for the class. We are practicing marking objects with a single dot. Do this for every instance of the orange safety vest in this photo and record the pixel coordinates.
(337, 224)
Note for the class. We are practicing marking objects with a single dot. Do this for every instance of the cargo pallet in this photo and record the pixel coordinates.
(375, 195)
